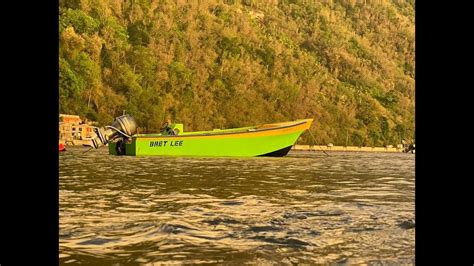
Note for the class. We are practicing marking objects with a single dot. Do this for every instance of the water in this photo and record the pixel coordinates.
(304, 208)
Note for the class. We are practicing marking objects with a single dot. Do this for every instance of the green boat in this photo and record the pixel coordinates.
(265, 140)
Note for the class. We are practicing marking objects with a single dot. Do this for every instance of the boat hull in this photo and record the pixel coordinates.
(270, 141)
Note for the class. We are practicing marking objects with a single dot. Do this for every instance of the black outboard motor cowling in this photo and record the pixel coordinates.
(124, 126)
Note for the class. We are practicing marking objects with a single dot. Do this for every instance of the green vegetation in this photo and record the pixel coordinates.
(349, 64)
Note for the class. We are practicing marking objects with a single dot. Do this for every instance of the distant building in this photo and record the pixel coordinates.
(71, 127)
(70, 119)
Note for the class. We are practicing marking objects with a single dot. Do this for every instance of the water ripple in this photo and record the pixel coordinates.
(306, 208)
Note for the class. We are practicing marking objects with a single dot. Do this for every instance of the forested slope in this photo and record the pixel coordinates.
(219, 64)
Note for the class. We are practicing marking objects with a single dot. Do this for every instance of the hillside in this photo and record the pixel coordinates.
(348, 64)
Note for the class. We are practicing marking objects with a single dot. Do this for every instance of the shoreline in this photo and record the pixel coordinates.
(344, 148)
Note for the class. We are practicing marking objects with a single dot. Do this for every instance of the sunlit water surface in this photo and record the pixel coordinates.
(308, 207)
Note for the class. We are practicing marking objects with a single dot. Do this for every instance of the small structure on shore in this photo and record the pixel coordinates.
(73, 130)
(408, 147)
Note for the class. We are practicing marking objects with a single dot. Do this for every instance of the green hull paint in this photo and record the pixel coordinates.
(243, 142)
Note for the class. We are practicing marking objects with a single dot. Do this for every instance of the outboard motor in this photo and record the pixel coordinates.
(124, 126)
